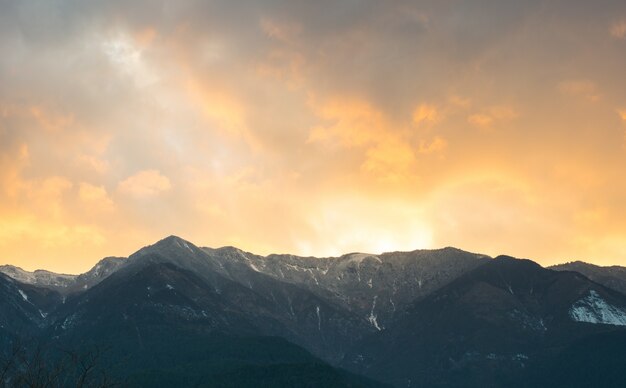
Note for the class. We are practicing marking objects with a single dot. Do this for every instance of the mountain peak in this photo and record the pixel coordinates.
(515, 264)
(172, 249)
(167, 244)
(172, 239)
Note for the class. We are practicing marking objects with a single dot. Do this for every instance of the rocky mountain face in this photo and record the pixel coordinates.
(62, 283)
(39, 277)
(158, 293)
(325, 308)
(494, 326)
(424, 318)
(24, 308)
(612, 277)
(373, 287)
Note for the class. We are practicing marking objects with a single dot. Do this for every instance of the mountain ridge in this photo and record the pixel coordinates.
(19, 273)
(613, 276)
(461, 315)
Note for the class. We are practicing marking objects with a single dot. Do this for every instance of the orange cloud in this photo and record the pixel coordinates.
(492, 115)
(95, 197)
(436, 145)
(219, 106)
(387, 151)
(426, 114)
(354, 123)
(47, 195)
(51, 121)
(390, 161)
(145, 184)
(480, 120)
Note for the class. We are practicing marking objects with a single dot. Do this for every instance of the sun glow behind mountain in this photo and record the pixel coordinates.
(312, 128)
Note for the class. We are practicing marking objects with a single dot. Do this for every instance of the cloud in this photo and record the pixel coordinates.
(352, 122)
(145, 184)
(390, 161)
(492, 115)
(48, 195)
(51, 121)
(95, 197)
(618, 30)
(581, 88)
(480, 120)
(125, 56)
(115, 115)
(426, 114)
(389, 150)
(437, 144)
(93, 163)
(284, 32)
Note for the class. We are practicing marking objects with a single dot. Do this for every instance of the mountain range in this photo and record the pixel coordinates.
(175, 314)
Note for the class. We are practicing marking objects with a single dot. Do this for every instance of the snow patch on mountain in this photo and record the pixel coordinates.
(24, 296)
(594, 309)
(319, 318)
(373, 319)
(38, 277)
(247, 259)
(187, 246)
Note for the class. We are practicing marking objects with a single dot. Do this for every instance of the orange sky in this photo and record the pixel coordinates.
(312, 127)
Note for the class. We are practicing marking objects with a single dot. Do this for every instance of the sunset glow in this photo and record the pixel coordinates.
(313, 128)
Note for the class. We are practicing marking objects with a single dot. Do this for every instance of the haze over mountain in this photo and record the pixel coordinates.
(424, 318)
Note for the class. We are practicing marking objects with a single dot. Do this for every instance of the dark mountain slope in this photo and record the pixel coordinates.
(488, 327)
(176, 314)
(23, 307)
(166, 326)
(151, 290)
(596, 361)
(227, 361)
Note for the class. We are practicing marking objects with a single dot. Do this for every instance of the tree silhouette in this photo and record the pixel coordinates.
(43, 366)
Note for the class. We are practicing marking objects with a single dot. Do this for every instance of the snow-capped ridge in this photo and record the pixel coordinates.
(594, 309)
(38, 277)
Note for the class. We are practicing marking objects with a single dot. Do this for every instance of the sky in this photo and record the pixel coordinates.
(312, 127)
